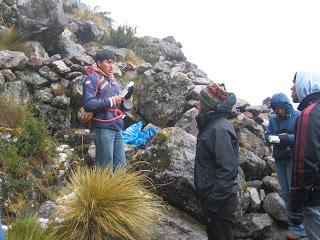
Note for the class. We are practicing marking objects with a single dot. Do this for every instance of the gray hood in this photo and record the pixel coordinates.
(307, 83)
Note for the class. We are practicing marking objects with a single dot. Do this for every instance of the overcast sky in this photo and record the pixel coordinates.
(253, 46)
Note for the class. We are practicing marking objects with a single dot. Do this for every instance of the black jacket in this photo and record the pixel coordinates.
(217, 156)
(305, 189)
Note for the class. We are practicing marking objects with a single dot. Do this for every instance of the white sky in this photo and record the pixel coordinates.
(253, 46)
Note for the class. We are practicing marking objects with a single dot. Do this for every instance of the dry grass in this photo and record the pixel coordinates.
(131, 57)
(92, 15)
(10, 40)
(12, 115)
(107, 206)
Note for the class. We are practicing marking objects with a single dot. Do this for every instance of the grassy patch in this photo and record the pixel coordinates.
(26, 228)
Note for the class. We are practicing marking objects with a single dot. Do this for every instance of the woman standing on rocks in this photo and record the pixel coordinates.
(280, 133)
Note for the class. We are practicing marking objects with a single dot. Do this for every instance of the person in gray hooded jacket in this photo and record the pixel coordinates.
(216, 162)
(305, 187)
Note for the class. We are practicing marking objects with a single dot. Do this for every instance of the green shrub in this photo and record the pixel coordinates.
(10, 40)
(106, 206)
(34, 140)
(123, 37)
(10, 160)
(26, 228)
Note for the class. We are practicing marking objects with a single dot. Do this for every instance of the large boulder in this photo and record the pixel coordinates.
(274, 205)
(41, 19)
(69, 47)
(251, 164)
(253, 143)
(167, 48)
(170, 160)
(162, 98)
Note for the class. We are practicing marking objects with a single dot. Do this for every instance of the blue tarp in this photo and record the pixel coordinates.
(134, 136)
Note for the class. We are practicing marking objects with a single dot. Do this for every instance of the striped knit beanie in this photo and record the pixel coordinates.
(211, 96)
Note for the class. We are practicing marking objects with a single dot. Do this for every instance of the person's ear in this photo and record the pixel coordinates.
(98, 63)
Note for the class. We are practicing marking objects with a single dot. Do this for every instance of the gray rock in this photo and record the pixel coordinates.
(76, 91)
(2, 83)
(202, 81)
(188, 121)
(170, 157)
(47, 73)
(144, 67)
(162, 98)
(274, 205)
(164, 66)
(57, 119)
(44, 95)
(46, 23)
(12, 59)
(52, 59)
(255, 201)
(199, 73)
(253, 143)
(88, 31)
(36, 50)
(72, 75)
(253, 226)
(60, 67)
(255, 183)
(47, 209)
(176, 225)
(61, 102)
(158, 47)
(17, 92)
(252, 165)
(33, 80)
(271, 184)
(71, 49)
(256, 110)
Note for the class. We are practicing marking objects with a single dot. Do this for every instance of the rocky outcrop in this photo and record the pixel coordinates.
(41, 19)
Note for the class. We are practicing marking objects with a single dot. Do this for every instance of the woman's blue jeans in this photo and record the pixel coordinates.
(284, 173)
(110, 150)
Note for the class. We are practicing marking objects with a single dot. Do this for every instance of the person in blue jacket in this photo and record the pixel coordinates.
(280, 133)
(102, 96)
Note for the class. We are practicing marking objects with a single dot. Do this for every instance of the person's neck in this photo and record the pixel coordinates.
(103, 72)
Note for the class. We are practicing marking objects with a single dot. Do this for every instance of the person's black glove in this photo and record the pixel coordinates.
(296, 218)
(129, 93)
(284, 138)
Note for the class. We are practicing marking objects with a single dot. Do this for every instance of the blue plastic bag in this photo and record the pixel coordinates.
(134, 136)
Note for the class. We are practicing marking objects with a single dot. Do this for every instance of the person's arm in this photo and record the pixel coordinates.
(224, 147)
(91, 102)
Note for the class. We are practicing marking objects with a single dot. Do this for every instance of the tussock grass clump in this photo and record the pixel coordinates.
(26, 228)
(107, 206)
(94, 15)
(10, 40)
(131, 57)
